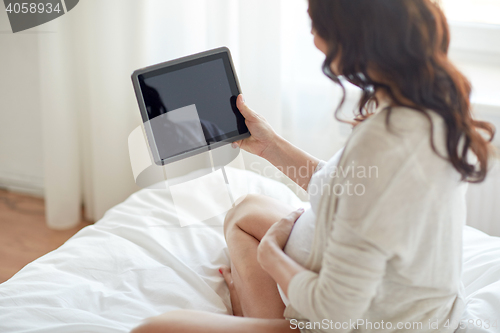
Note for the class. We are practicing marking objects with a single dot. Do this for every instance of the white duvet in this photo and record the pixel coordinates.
(139, 262)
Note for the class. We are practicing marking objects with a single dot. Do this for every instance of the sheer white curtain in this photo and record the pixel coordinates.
(89, 107)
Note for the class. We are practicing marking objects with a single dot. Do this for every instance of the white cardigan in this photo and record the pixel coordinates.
(390, 256)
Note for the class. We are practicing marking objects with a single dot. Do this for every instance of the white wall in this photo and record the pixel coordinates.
(20, 119)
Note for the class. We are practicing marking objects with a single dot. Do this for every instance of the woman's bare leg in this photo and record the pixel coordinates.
(187, 321)
(244, 227)
(253, 292)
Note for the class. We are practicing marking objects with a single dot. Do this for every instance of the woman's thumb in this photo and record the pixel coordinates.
(241, 98)
(244, 109)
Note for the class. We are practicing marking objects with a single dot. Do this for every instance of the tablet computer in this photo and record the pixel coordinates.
(188, 105)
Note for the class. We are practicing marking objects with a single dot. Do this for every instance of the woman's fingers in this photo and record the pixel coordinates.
(235, 301)
(279, 232)
(248, 113)
(293, 216)
(244, 109)
(236, 144)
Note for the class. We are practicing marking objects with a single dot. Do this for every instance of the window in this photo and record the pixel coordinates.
(472, 11)
(475, 32)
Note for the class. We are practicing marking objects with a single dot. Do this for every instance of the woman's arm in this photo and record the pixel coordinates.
(276, 263)
(352, 270)
(270, 253)
(342, 291)
(295, 163)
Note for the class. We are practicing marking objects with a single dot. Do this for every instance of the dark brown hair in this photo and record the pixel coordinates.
(406, 43)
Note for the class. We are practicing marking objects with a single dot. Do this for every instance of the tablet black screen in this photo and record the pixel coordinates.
(209, 84)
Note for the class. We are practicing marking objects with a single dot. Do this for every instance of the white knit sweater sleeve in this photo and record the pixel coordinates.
(351, 271)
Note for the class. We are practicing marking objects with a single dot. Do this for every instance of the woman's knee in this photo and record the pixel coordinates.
(254, 214)
(242, 211)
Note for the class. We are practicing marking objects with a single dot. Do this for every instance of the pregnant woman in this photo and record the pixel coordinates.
(380, 247)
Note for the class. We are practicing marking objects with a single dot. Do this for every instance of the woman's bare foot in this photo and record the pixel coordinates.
(235, 301)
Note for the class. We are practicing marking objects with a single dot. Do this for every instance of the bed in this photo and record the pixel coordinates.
(138, 261)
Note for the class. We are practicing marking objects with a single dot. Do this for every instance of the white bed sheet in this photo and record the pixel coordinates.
(136, 262)
(139, 262)
(481, 278)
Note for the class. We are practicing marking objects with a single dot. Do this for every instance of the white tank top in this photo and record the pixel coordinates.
(300, 241)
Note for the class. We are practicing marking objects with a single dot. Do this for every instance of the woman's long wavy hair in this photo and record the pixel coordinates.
(406, 43)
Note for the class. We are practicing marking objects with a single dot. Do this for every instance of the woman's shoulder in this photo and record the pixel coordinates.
(396, 133)
(388, 167)
(398, 155)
